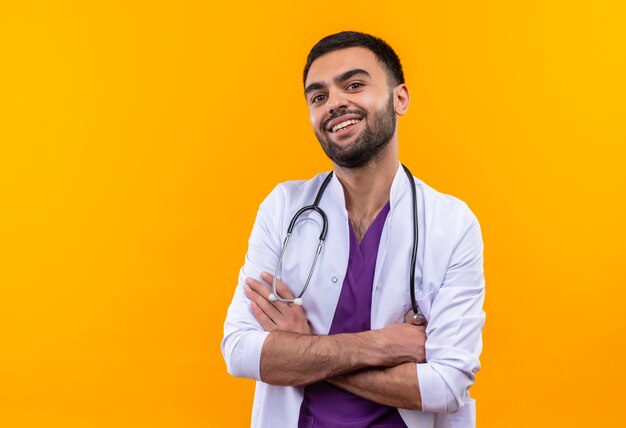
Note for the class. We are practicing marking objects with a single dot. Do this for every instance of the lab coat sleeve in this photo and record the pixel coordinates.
(455, 325)
(243, 335)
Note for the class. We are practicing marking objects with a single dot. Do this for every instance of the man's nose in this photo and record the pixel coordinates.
(336, 101)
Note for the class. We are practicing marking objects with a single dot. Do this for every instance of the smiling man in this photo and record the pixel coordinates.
(341, 339)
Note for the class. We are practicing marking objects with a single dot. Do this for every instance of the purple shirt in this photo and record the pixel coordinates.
(325, 405)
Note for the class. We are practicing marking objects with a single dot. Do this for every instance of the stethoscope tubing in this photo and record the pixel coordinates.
(415, 244)
(274, 296)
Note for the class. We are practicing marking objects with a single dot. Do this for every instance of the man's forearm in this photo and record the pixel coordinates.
(392, 386)
(299, 359)
(292, 356)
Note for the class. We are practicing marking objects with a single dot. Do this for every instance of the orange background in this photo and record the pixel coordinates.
(138, 138)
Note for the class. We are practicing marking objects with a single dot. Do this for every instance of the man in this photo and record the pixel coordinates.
(344, 357)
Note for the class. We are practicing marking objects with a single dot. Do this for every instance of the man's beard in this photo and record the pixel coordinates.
(367, 145)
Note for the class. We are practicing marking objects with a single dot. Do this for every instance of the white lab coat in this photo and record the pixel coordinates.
(449, 287)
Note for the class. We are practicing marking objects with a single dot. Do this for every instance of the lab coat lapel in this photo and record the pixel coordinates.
(391, 233)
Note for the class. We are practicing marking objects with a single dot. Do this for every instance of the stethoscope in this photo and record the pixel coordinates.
(414, 315)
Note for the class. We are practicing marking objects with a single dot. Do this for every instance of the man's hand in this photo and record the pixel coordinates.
(276, 315)
(403, 342)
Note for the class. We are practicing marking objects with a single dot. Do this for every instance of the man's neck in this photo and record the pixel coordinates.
(367, 188)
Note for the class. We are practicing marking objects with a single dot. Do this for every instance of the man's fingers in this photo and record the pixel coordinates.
(281, 287)
(259, 288)
(262, 318)
(258, 293)
(275, 315)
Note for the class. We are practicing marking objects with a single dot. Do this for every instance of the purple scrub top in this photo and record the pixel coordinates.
(325, 405)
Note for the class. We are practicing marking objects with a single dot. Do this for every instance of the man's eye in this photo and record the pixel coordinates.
(355, 85)
(318, 98)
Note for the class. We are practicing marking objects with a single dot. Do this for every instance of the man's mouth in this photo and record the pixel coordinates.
(343, 121)
(345, 124)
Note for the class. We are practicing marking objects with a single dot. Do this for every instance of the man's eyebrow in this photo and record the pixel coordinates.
(313, 87)
(348, 74)
(341, 78)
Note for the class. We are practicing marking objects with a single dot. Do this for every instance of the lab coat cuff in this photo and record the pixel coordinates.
(251, 354)
(432, 389)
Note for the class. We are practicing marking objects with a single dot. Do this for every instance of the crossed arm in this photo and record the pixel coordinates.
(378, 365)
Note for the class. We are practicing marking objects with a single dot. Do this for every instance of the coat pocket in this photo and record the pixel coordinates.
(466, 416)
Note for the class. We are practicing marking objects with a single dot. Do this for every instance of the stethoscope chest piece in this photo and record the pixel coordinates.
(415, 319)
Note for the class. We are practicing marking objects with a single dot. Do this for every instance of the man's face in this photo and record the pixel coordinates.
(351, 105)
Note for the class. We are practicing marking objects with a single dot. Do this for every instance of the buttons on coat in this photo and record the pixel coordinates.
(334, 279)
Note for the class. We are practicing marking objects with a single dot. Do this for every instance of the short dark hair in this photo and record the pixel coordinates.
(350, 39)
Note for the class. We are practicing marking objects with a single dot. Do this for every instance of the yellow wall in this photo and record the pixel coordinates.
(136, 142)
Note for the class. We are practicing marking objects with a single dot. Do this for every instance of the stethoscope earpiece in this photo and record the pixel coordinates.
(272, 297)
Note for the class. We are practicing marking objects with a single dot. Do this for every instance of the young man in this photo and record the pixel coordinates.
(339, 354)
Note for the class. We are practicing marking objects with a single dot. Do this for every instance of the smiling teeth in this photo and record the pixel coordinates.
(344, 124)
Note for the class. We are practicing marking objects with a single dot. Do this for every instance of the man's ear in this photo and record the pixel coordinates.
(401, 99)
